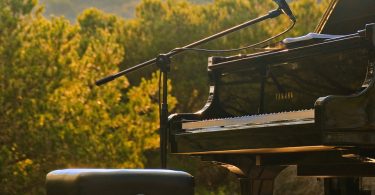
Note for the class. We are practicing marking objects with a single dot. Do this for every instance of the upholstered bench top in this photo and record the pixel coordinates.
(119, 182)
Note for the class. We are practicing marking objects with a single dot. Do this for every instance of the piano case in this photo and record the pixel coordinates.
(118, 182)
(280, 101)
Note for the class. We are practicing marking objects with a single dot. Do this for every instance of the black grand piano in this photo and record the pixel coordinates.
(306, 102)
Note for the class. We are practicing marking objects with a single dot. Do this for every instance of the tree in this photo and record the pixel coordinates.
(52, 115)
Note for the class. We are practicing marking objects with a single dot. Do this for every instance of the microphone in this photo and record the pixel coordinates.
(285, 8)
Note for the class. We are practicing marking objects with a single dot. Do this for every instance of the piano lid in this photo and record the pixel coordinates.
(346, 16)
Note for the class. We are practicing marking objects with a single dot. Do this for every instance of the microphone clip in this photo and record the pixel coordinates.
(284, 7)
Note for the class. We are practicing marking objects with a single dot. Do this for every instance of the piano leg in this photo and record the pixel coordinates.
(261, 180)
(253, 179)
(244, 185)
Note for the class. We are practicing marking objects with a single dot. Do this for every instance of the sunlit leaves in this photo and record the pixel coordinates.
(53, 116)
(143, 107)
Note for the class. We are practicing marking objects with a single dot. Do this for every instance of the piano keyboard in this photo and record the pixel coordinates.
(252, 120)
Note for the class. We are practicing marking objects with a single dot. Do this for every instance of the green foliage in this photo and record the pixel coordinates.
(52, 115)
(72, 8)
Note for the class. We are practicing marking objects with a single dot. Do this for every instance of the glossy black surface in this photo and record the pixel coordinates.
(346, 16)
(281, 81)
(292, 85)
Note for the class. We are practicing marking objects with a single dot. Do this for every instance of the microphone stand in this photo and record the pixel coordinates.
(163, 61)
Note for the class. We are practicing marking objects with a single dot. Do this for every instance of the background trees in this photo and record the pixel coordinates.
(52, 116)
(72, 8)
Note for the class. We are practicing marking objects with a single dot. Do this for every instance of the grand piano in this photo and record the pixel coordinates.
(305, 102)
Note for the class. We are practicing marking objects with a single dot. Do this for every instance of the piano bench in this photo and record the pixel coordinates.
(119, 182)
